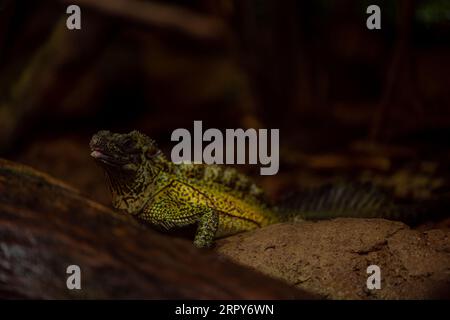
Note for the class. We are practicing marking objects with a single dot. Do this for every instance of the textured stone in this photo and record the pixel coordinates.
(330, 258)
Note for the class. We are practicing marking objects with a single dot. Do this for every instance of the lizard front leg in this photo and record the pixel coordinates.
(169, 214)
(207, 228)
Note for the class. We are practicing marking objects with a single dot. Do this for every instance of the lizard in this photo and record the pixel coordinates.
(220, 200)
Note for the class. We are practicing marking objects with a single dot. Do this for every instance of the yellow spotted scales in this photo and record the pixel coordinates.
(143, 182)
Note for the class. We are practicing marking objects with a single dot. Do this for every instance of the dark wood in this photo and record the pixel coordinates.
(161, 16)
(401, 73)
(46, 226)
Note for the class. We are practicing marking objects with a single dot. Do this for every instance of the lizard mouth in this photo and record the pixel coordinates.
(105, 158)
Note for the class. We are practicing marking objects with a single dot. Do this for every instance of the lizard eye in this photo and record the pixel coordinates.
(128, 144)
(151, 153)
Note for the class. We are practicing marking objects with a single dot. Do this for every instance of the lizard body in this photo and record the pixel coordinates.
(220, 200)
(145, 184)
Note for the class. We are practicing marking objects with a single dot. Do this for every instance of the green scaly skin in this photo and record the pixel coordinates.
(218, 199)
(145, 184)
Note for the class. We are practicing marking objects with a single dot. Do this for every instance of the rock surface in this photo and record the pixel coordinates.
(330, 258)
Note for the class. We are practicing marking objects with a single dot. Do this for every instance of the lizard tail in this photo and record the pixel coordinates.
(354, 200)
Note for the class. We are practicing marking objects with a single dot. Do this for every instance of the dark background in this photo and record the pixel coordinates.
(369, 105)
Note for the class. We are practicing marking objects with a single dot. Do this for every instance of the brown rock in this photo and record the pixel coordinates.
(331, 257)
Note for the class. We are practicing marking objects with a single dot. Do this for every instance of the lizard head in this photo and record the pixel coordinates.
(132, 161)
(124, 152)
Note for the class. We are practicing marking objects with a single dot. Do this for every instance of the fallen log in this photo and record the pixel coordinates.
(46, 226)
